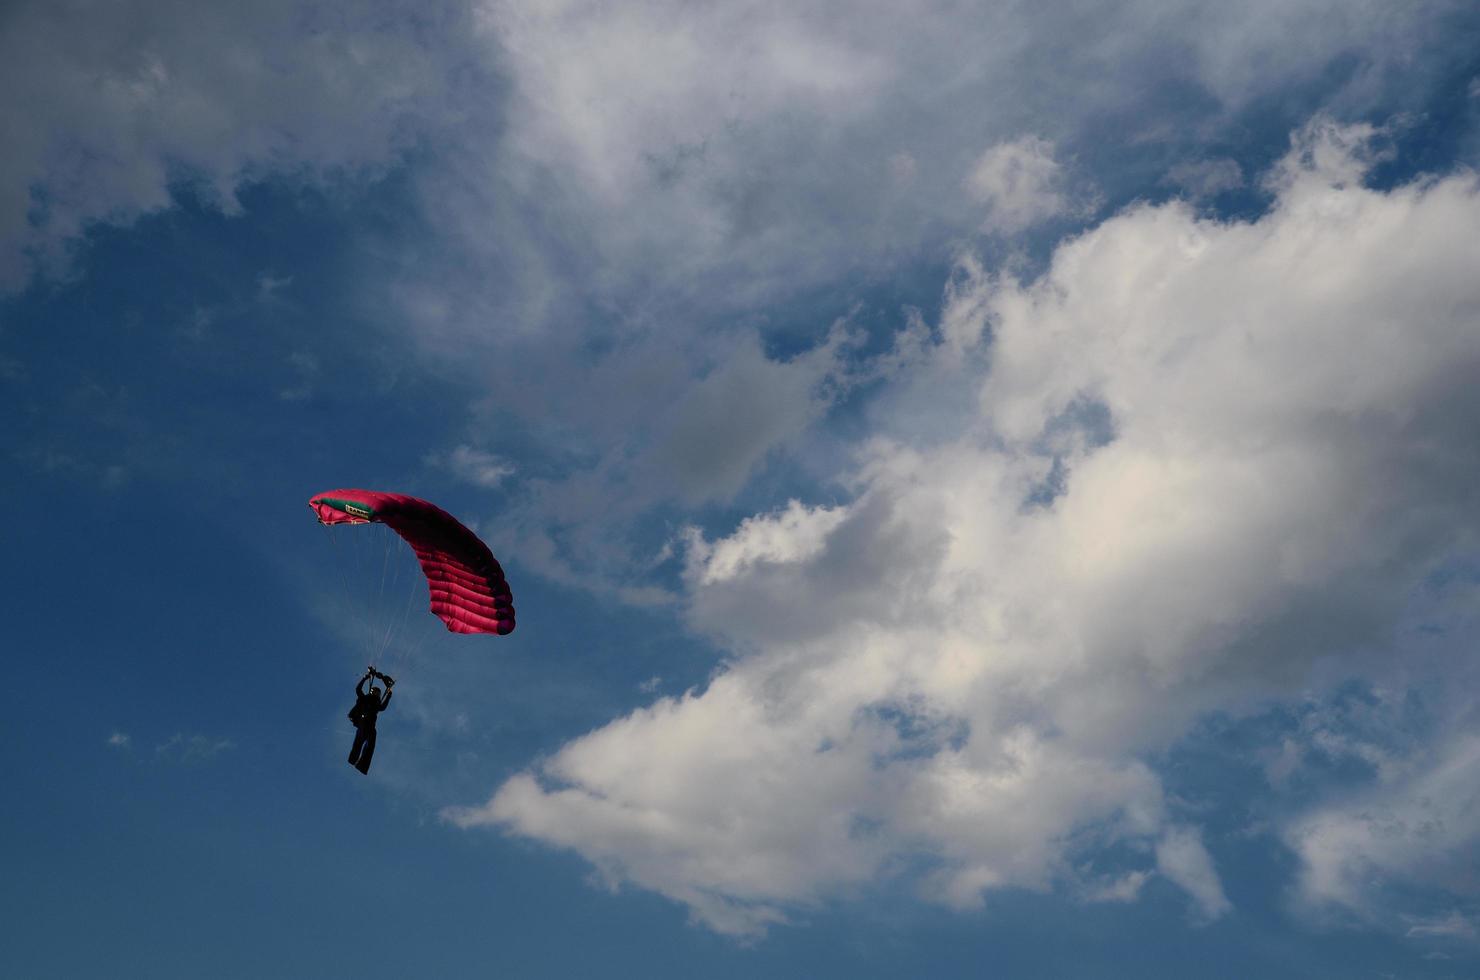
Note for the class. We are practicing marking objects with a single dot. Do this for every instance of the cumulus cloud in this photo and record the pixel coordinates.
(1191, 460)
(635, 198)
(1201, 459)
(793, 535)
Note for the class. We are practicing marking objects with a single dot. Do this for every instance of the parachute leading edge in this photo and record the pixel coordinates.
(468, 590)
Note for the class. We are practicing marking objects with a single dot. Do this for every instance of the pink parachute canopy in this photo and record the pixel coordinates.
(468, 589)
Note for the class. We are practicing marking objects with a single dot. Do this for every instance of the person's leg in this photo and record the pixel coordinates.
(367, 752)
(358, 747)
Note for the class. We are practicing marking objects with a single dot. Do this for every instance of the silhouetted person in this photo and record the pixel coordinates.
(367, 706)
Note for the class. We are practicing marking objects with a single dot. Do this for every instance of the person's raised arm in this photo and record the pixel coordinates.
(360, 687)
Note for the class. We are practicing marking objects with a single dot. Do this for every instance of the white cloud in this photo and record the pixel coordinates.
(729, 151)
(1020, 183)
(964, 663)
(1181, 856)
(792, 535)
(268, 285)
(1204, 178)
(683, 169)
(1455, 925)
(120, 740)
(473, 465)
(963, 672)
(665, 426)
(1415, 829)
(107, 107)
(618, 94)
(1125, 888)
(306, 366)
(698, 161)
(1368, 733)
(187, 749)
(724, 424)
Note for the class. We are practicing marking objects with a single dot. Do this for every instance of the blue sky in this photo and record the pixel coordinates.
(988, 489)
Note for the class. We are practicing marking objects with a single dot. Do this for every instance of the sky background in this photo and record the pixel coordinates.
(988, 488)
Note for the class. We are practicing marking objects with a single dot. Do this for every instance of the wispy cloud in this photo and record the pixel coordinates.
(1205, 178)
(1455, 925)
(1181, 856)
(472, 465)
(729, 154)
(189, 749)
(1409, 830)
(200, 89)
(269, 286)
(306, 366)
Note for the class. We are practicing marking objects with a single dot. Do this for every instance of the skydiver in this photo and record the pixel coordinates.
(367, 706)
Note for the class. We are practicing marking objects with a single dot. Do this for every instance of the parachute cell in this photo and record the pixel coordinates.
(468, 590)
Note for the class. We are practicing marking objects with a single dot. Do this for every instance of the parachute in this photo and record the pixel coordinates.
(468, 590)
